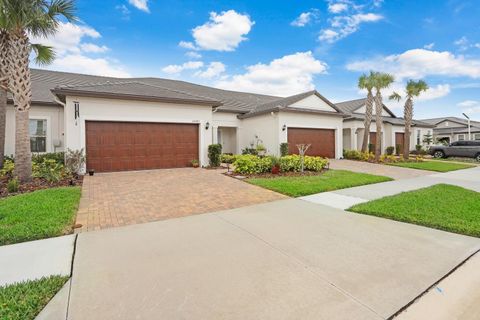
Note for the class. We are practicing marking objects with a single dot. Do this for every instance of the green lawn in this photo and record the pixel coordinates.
(23, 301)
(328, 181)
(441, 206)
(37, 215)
(433, 165)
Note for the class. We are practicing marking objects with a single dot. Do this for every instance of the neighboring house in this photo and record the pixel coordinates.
(392, 132)
(451, 129)
(146, 123)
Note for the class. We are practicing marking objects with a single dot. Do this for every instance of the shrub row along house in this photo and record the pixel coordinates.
(145, 123)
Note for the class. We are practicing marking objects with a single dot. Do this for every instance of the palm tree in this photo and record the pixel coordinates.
(413, 89)
(21, 18)
(366, 82)
(380, 81)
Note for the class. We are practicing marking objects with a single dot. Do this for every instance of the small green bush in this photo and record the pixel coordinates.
(49, 169)
(284, 149)
(292, 163)
(74, 161)
(214, 152)
(389, 151)
(352, 154)
(227, 158)
(57, 156)
(8, 167)
(251, 164)
(371, 147)
(398, 149)
(252, 151)
(12, 185)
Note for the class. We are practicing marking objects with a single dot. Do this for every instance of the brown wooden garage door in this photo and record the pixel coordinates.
(121, 146)
(322, 141)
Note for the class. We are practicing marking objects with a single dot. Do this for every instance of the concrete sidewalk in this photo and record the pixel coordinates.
(288, 259)
(36, 259)
(345, 198)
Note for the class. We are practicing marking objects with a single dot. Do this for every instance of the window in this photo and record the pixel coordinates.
(461, 137)
(418, 137)
(38, 135)
(476, 136)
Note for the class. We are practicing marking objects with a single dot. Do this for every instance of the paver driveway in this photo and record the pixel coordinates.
(124, 198)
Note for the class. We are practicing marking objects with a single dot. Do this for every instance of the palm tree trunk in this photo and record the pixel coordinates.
(408, 115)
(3, 91)
(378, 123)
(20, 86)
(367, 121)
(3, 116)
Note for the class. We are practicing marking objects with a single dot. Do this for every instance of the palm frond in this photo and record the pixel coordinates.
(395, 96)
(415, 88)
(44, 55)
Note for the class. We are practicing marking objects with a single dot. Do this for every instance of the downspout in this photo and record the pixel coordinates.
(64, 105)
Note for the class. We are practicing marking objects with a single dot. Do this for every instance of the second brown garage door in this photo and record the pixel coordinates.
(322, 141)
(121, 146)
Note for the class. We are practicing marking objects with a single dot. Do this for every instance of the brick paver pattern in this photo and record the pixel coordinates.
(124, 198)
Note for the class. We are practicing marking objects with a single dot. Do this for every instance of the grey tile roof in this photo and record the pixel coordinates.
(132, 89)
(43, 81)
(394, 121)
(284, 104)
(436, 121)
(351, 105)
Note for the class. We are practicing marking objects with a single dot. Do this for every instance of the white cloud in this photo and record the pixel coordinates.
(285, 76)
(337, 7)
(462, 43)
(177, 68)
(429, 46)
(83, 64)
(124, 11)
(419, 63)
(140, 4)
(467, 103)
(93, 48)
(68, 37)
(72, 52)
(469, 106)
(213, 70)
(223, 32)
(438, 91)
(193, 55)
(342, 26)
(377, 3)
(302, 20)
(187, 45)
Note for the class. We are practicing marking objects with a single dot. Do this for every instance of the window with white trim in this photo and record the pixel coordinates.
(38, 135)
(418, 137)
(461, 137)
(476, 136)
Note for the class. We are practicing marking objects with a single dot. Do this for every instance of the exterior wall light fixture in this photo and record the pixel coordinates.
(284, 127)
(207, 125)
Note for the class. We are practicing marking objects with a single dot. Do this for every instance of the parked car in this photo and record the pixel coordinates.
(469, 149)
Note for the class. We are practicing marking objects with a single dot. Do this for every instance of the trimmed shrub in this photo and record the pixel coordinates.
(398, 149)
(227, 158)
(59, 157)
(293, 163)
(214, 152)
(251, 164)
(352, 154)
(389, 151)
(252, 151)
(284, 149)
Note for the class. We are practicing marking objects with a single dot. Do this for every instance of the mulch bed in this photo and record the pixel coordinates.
(38, 184)
(272, 176)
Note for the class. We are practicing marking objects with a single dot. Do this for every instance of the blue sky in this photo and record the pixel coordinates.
(284, 47)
